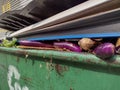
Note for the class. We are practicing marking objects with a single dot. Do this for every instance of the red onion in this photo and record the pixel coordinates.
(68, 45)
(105, 50)
(33, 44)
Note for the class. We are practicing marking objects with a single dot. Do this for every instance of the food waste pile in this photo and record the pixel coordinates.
(103, 48)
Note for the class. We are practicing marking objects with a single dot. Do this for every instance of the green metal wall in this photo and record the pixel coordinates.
(52, 70)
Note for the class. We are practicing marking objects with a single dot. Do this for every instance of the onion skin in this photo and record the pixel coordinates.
(33, 44)
(105, 50)
(86, 43)
(118, 42)
(68, 45)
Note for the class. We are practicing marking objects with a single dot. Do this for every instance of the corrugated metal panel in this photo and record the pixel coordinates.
(28, 12)
(1, 3)
(9, 5)
(19, 4)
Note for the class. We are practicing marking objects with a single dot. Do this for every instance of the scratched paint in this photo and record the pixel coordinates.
(13, 71)
(78, 74)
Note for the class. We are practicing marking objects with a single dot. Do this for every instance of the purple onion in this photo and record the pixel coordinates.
(33, 43)
(68, 45)
(105, 50)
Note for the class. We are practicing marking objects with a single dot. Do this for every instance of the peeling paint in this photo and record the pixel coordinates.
(18, 59)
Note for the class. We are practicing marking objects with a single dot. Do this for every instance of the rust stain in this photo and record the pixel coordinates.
(51, 60)
(44, 56)
(75, 58)
(60, 69)
(50, 66)
(26, 79)
(89, 61)
(3, 66)
(65, 68)
(71, 89)
(51, 88)
(63, 57)
(18, 59)
(21, 52)
(33, 62)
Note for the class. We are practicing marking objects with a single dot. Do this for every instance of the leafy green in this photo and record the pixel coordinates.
(8, 43)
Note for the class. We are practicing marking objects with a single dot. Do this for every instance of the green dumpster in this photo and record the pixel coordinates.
(54, 70)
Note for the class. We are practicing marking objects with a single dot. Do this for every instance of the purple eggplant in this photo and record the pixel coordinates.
(33, 43)
(105, 50)
(68, 45)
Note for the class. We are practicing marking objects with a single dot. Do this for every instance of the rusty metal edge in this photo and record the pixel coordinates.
(65, 56)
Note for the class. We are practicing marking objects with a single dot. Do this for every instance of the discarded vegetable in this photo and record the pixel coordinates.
(118, 42)
(33, 43)
(86, 43)
(105, 50)
(8, 43)
(68, 45)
